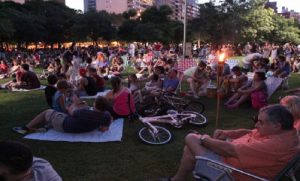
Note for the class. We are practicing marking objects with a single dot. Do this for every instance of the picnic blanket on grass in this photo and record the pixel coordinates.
(42, 87)
(103, 94)
(114, 133)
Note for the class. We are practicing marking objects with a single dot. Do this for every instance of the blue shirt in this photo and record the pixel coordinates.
(85, 120)
(170, 83)
(55, 102)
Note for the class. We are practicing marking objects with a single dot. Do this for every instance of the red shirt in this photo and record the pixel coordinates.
(3, 68)
(99, 81)
(264, 156)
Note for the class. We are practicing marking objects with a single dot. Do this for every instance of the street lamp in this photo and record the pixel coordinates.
(219, 74)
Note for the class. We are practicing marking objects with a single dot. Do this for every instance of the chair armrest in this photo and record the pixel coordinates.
(221, 166)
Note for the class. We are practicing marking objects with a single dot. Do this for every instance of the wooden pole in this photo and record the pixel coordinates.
(218, 96)
(219, 73)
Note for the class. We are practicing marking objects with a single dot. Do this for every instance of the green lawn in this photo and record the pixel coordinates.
(126, 160)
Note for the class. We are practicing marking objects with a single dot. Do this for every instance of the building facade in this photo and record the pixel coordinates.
(89, 5)
(272, 5)
(139, 5)
(177, 7)
(111, 6)
(117, 6)
(23, 1)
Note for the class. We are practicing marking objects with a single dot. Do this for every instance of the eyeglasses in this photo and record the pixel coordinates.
(255, 119)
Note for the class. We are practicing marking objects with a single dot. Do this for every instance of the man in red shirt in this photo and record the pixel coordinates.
(263, 151)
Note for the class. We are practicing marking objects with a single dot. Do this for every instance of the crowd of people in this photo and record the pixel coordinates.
(76, 72)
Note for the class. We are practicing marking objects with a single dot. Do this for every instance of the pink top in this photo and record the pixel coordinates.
(264, 156)
(121, 103)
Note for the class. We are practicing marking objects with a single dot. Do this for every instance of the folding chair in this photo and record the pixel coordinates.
(288, 171)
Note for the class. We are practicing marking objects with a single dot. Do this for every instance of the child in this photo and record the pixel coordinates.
(50, 90)
(59, 98)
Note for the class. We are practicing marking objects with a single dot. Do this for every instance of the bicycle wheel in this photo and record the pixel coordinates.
(151, 110)
(199, 120)
(195, 106)
(147, 136)
(177, 103)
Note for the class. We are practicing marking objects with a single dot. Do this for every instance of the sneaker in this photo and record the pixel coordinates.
(21, 130)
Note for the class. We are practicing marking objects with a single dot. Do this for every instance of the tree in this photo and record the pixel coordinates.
(94, 25)
(54, 17)
(258, 24)
(6, 28)
(154, 24)
(285, 30)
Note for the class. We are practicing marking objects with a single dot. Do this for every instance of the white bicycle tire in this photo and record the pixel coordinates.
(201, 120)
(143, 132)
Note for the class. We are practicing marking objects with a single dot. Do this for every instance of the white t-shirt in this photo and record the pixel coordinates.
(43, 171)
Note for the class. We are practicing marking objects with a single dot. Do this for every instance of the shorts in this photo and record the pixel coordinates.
(55, 119)
(205, 171)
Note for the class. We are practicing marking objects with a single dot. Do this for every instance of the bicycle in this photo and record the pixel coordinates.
(157, 135)
(167, 101)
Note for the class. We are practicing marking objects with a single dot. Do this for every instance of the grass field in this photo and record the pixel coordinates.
(126, 160)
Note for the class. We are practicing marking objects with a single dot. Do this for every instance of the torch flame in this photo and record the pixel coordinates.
(221, 57)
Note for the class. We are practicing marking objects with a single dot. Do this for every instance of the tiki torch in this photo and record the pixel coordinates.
(220, 67)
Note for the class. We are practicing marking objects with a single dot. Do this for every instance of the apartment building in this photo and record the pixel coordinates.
(23, 1)
(112, 6)
(178, 8)
(89, 5)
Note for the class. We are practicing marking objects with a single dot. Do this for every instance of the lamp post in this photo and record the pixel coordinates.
(219, 74)
(184, 30)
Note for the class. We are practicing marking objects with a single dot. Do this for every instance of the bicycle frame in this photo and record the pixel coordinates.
(170, 118)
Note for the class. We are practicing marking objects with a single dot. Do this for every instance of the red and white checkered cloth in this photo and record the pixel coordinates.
(186, 64)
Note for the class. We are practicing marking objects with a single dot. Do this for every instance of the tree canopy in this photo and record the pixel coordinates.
(232, 21)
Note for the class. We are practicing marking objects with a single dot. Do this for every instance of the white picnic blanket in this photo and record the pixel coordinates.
(103, 94)
(114, 133)
(42, 87)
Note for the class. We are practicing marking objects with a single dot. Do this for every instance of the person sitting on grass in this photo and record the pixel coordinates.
(3, 68)
(292, 103)
(87, 85)
(17, 163)
(199, 80)
(171, 82)
(257, 90)
(263, 151)
(235, 80)
(283, 67)
(121, 99)
(28, 80)
(59, 98)
(79, 119)
(50, 89)
(99, 80)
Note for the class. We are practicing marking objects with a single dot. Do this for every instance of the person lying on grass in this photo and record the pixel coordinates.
(78, 120)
